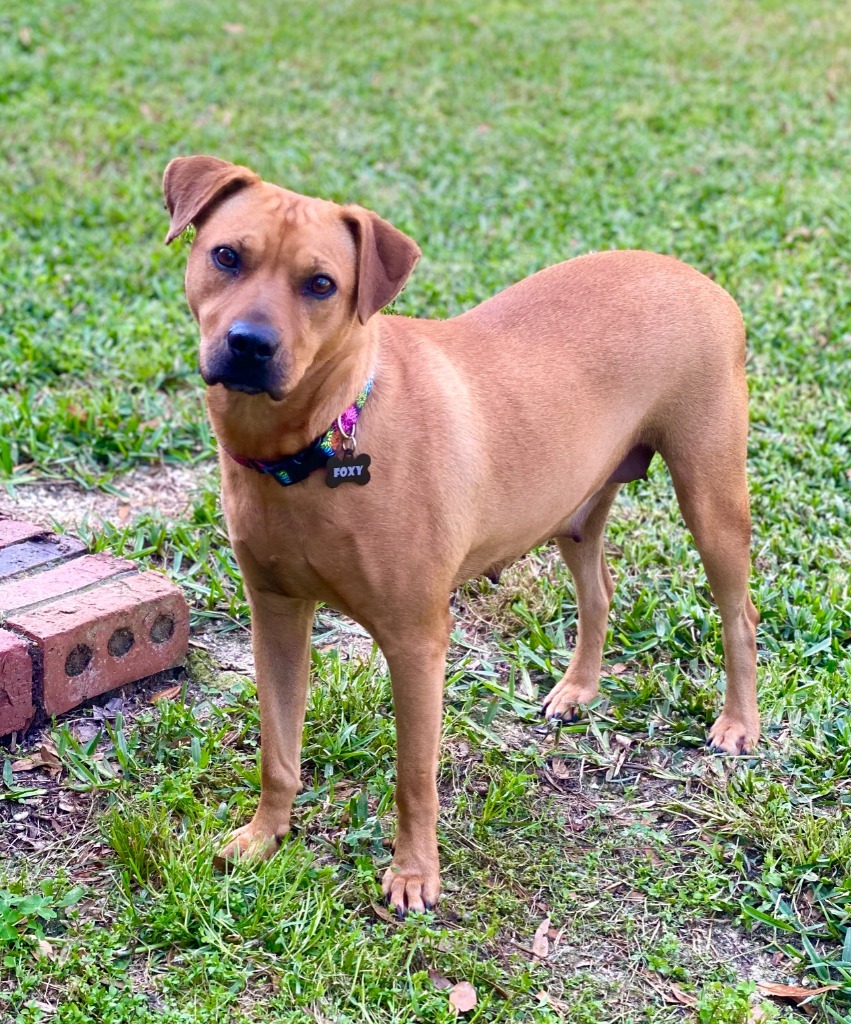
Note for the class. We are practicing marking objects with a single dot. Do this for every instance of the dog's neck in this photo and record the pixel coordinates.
(256, 427)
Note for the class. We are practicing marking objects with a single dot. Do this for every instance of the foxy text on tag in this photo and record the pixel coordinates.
(348, 468)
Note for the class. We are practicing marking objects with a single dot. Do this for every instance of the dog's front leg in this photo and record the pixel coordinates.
(281, 630)
(417, 662)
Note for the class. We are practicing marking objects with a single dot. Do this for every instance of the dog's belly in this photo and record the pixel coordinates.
(528, 524)
(492, 554)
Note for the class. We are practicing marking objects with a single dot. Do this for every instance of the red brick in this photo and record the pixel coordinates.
(16, 684)
(66, 578)
(30, 554)
(14, 530)
(80, 637)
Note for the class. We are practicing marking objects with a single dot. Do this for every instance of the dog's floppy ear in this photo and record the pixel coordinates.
(193, 183)
(385, 257)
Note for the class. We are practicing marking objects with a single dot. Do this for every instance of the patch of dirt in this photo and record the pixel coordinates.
(230, 649)
(164, 488)
(332, 630)
(620, 959)
(528, 587)
(620, 962)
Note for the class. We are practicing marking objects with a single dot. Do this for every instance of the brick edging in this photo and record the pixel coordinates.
(74, 625)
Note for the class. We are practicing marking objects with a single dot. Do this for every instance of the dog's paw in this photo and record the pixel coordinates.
(731, 735)
(250, 842)
(412, 888)
(566, 700)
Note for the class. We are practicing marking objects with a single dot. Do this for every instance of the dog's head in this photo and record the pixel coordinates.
(277, 281)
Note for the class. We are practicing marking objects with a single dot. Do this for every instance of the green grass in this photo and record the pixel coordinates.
(502, 137)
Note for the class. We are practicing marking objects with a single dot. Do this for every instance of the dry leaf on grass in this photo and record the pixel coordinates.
(463, 997)
(109, 711)
(86, 731)
(559, 768)
(676, 995)
(545, 999)
(525, 687)
(45, 758)
(49, 754)
(541, 943)
(383, 913)
(438, 980)
(168, 694)
(44, 949)
(795, 993)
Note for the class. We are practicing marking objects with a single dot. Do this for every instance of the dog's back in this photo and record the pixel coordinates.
(617, 314)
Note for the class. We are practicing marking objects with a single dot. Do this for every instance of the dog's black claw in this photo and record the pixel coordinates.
(560, 719)
(429, 906)
(715, 750)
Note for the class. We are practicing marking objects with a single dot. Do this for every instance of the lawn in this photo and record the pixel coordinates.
(502, 137)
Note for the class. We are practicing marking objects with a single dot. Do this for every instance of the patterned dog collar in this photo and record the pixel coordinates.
(295, 468)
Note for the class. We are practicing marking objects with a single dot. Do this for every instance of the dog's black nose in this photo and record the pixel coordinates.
(250, 360)
(252, 342)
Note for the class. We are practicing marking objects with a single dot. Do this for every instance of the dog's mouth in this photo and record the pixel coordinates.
(244, 383)
(246, 389)
(276, 394)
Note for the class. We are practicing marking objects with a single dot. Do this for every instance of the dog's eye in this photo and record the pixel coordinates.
(225, 258)
(320, 286)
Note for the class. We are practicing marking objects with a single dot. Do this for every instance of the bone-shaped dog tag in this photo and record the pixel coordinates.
(347, 468)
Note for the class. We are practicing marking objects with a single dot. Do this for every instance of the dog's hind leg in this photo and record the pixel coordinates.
(711, 484)
(586, 561)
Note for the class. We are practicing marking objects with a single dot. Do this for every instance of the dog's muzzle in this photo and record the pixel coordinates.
(246, 361)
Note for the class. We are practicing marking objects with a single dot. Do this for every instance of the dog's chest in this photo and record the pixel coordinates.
(288, 544)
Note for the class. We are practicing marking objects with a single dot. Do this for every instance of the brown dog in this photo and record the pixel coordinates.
(510, 425)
